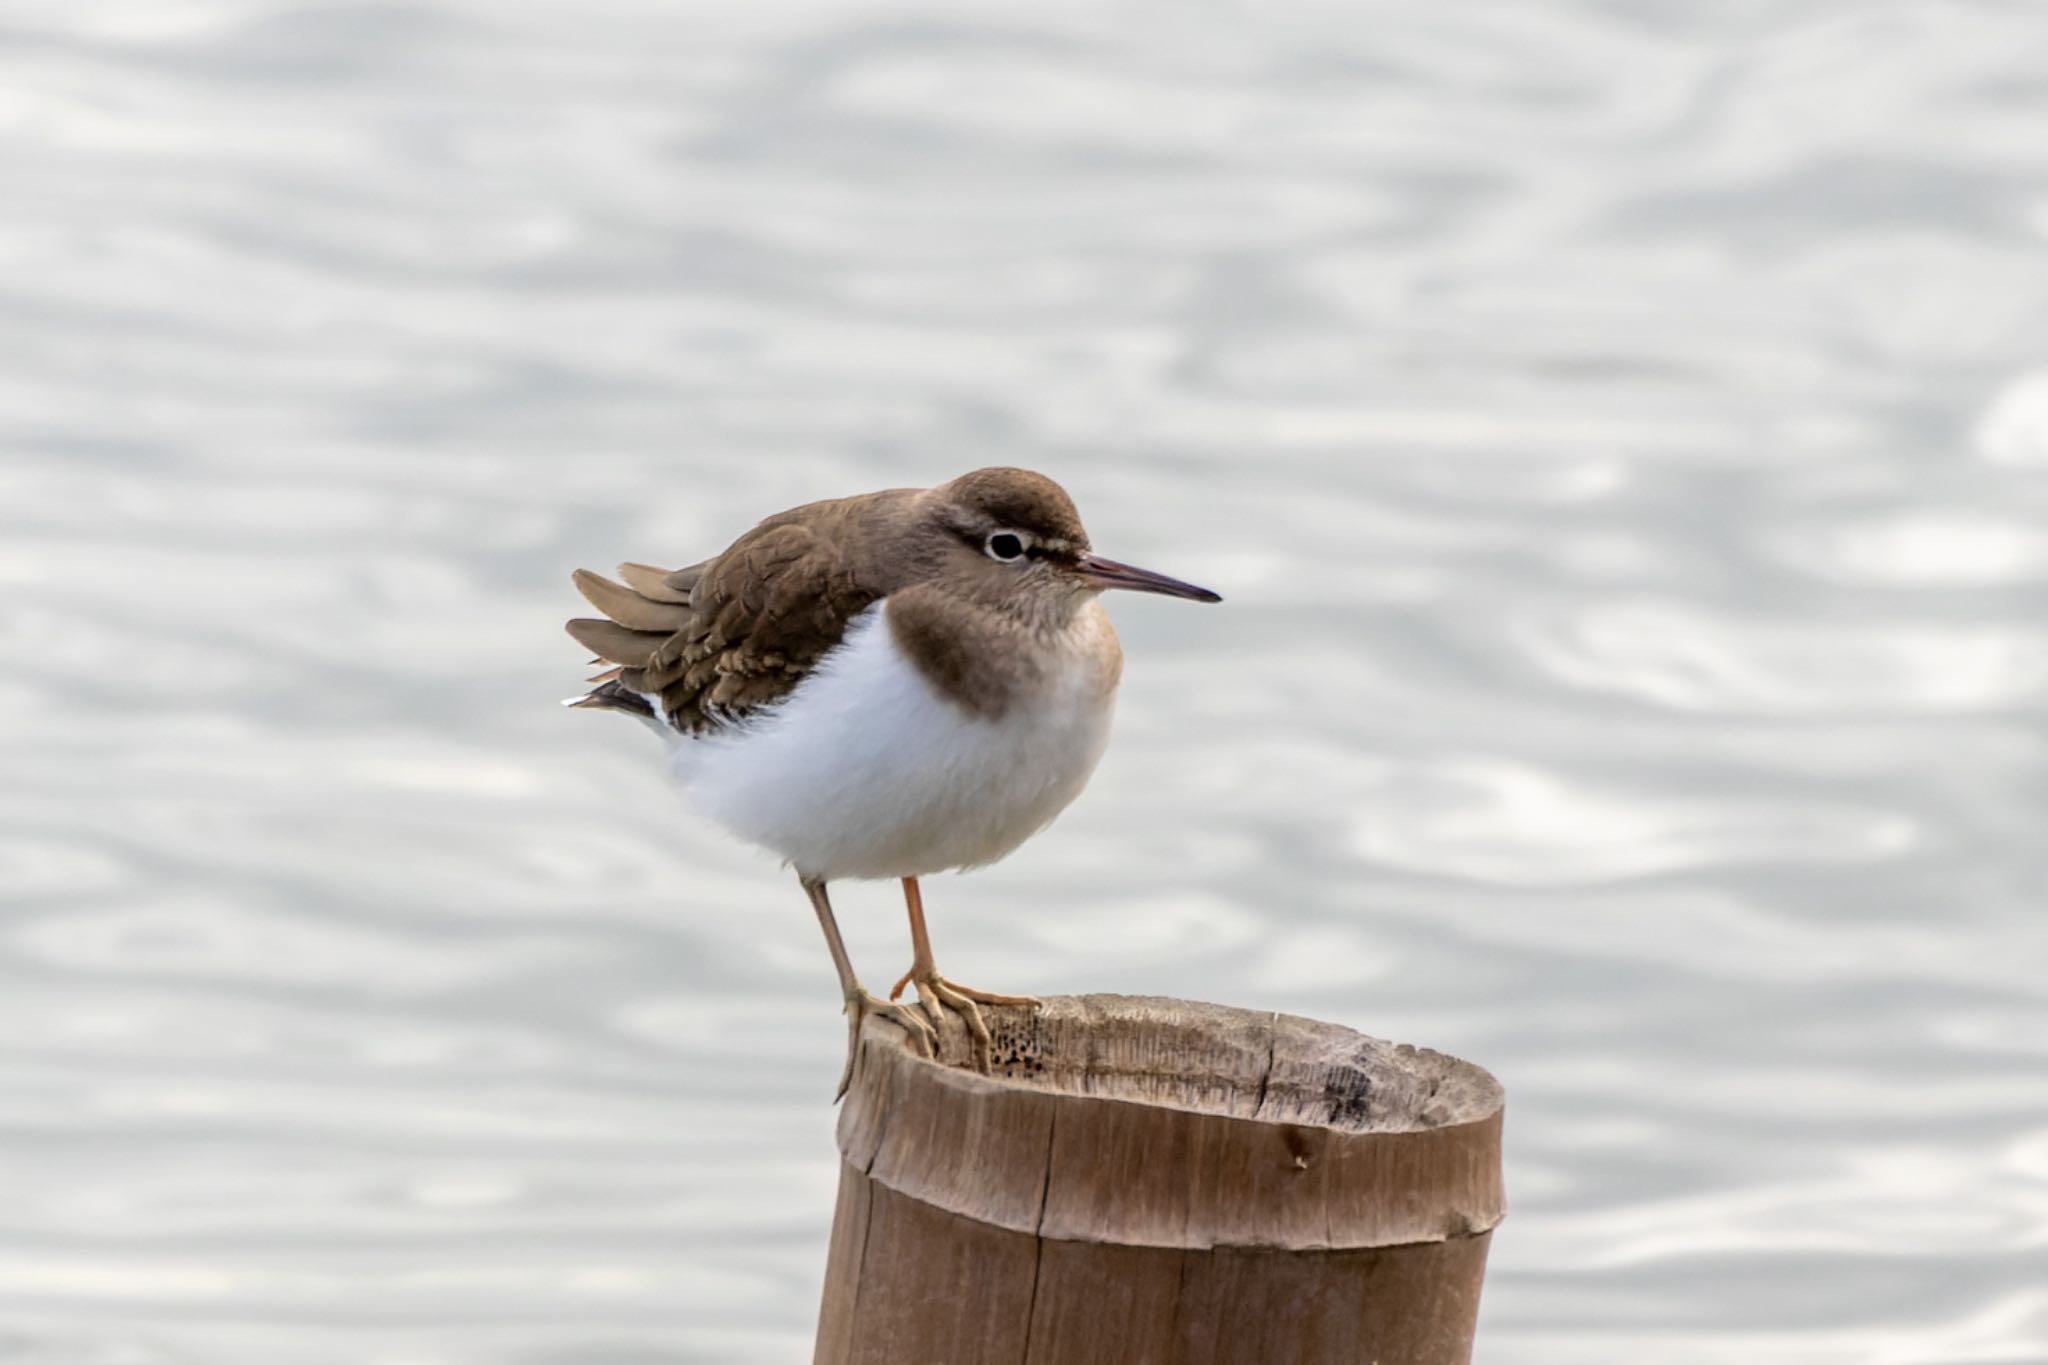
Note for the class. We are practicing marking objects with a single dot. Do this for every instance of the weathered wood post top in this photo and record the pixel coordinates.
(1146, 1181)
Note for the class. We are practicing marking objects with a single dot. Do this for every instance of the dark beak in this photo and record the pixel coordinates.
(1107, 573)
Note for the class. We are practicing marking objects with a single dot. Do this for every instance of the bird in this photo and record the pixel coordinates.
(879, 687)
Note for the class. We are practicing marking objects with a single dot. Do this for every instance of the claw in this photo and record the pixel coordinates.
(858, 1008)
(935, 993)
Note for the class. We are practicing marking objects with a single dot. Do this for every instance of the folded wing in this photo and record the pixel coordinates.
(715, 643)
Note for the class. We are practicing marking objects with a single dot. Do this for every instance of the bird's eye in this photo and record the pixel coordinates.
(1005, 545)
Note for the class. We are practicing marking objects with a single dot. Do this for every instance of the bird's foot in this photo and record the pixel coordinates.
(935, 993)
(859, 1005)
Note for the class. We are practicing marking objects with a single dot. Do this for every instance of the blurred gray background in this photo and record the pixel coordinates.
(1621, 430)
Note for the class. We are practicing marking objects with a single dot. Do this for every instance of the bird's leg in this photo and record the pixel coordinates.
(859, 1004)
(934, 990)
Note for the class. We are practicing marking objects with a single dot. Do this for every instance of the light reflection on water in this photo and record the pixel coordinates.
(1620, 431)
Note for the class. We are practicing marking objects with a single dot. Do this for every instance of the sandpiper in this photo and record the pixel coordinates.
(884, 686)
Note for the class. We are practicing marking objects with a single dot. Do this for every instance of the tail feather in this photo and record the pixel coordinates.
(629, 608)
(610, 696)
(648, 611)
(614, 643)
(658, 585)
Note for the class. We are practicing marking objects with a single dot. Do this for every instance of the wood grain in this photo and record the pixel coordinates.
(1158, 1182)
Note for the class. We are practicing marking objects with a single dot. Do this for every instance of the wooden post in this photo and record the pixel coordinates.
(1155, 1182)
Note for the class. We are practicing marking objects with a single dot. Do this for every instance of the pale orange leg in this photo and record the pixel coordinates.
(934, 991)
(860, 1004)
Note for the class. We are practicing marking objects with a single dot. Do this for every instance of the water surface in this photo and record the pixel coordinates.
(1621, 431)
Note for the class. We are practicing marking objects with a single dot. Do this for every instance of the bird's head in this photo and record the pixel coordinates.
(1013, 535)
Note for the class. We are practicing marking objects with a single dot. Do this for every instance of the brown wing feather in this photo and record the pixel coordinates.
(612, 642)
(651, 582)
(722, 639)
(762, 615)
(628, 606)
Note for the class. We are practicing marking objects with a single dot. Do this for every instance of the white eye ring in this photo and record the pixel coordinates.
(1011, 541)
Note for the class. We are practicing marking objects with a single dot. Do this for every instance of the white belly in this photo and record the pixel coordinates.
(867, 771)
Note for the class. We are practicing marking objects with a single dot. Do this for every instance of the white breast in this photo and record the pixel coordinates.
(867, 771)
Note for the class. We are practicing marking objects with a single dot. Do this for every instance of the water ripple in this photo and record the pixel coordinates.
(1921, 549)
(2014, 429)
(1498, 822)
(1689, 659)
(1617, 428)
